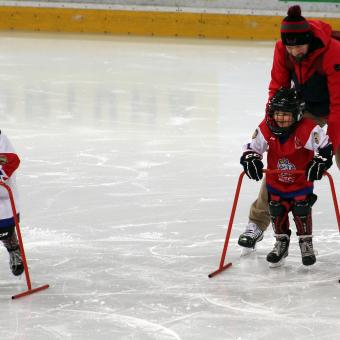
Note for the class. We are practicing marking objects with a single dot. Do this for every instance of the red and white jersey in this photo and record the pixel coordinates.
(292, 153)
(9, 162)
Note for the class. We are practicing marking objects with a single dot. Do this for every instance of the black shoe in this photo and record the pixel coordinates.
(251, 236)
(15, 261)
(307, 251)
(280, 250)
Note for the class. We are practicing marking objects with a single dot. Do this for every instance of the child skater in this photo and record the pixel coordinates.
(9, 162)
(292, 143)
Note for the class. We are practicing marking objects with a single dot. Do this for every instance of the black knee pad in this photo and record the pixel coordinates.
(276, 209)
(304, 208)
(6, 232)
(301, 208)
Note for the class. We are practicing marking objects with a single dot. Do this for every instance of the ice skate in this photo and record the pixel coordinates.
(280, 251)
(307, 251)
(250, 237)
(15, 261)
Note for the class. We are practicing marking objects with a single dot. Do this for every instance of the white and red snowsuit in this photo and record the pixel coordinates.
(9, 162)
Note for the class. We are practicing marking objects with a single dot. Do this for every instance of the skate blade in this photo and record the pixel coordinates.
(247, 251)
(278, 264)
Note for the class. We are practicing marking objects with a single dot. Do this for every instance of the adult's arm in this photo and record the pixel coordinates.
(331, 66)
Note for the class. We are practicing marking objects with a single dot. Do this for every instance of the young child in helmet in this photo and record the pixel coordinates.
(9, 162)
(292, 143)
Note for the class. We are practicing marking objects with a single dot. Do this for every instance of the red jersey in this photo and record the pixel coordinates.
(291, 153)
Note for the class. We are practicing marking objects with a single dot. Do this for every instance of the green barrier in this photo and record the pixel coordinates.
(321, 1)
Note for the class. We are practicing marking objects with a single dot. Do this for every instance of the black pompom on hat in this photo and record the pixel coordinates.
(295, 29)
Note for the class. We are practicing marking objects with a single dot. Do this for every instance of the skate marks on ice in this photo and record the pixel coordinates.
(303, 297)
(150, 285)
(109, 324)
(86, 307)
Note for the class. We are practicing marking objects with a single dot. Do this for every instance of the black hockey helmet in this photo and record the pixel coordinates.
(287, 100)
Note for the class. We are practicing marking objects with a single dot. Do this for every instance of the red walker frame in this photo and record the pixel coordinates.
(22, 250)
(222, 266)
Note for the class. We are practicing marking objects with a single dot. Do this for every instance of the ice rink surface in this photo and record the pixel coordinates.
(130, 154)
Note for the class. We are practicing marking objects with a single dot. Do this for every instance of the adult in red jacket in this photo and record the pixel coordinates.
(308, 58)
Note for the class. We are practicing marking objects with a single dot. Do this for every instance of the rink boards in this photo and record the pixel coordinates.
(144, 23)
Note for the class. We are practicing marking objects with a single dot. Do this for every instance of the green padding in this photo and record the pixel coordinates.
(321, 1)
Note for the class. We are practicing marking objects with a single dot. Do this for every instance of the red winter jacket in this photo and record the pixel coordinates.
(318, 76)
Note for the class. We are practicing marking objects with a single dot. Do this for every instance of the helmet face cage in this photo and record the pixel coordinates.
(286, 100)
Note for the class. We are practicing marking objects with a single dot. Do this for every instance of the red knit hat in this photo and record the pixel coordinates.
(295, 29)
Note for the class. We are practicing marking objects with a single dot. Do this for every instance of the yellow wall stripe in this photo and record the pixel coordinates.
(146, 23)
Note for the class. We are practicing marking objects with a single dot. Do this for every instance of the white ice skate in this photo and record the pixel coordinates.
(249, 239)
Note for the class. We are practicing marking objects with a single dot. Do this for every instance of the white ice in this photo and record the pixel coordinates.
(130, 156)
